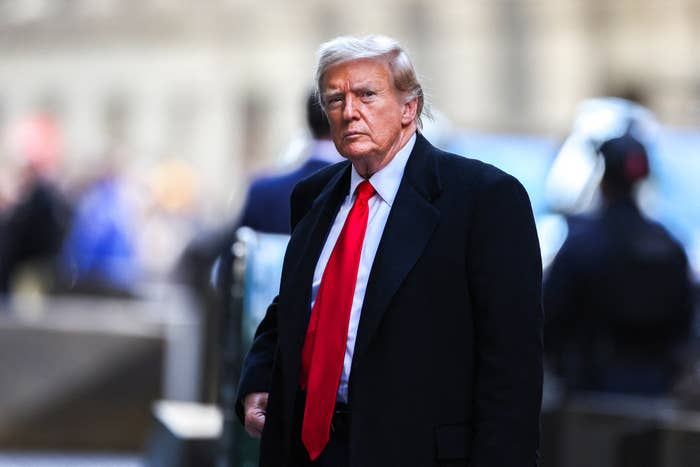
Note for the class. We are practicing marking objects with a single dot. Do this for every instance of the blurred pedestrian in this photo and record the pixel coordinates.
(618, 296)
(99, 254)
(32, 229)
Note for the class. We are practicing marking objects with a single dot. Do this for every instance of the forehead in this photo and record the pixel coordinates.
(356, 72)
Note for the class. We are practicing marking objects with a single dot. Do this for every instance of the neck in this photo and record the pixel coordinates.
(368, 166)
(613, 193)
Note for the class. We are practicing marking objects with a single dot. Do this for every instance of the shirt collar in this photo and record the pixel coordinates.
(386, 181)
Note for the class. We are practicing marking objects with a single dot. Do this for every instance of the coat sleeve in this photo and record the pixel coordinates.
(256, 374)
(505, 278)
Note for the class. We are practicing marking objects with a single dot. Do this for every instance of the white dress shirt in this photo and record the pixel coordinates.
(386, 184)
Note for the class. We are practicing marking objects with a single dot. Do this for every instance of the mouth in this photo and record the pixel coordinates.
(352, 134)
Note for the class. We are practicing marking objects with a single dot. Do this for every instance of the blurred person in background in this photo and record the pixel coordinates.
(99, 254)
(617, 296)
(33, 227)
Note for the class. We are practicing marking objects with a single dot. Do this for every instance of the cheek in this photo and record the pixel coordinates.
(337, 140)
(336, 130)
(386, 129)
(333, 121)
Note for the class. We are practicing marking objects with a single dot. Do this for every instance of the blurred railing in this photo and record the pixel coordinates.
(81, 372)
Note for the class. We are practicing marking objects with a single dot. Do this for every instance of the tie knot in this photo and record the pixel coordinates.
(365, 191)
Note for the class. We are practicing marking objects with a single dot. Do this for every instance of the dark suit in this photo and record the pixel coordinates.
(267, 203)
(447, 363)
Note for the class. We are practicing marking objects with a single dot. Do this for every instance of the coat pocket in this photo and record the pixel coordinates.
(452, 443)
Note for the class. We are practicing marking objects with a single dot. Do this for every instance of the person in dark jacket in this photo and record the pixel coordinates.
(617, 296)
(32, 230)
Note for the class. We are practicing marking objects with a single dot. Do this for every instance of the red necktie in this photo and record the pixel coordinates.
(326, 337)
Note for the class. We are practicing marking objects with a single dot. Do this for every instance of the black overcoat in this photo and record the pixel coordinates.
(448, 358)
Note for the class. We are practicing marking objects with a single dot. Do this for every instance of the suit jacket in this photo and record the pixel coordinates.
(447, 364)
(619, 303)
(267, 204)
(32, 230)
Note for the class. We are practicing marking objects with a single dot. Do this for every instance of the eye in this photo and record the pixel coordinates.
(334, 100)
(367, 95)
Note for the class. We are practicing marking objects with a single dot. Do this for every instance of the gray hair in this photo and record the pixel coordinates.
(347, 48)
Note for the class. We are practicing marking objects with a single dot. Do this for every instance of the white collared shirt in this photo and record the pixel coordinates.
(386, 184)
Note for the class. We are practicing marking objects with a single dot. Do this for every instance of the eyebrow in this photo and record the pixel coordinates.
(354, 88)
(364, 85)
(330, 94)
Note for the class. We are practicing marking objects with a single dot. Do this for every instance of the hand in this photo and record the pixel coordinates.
(254, 406)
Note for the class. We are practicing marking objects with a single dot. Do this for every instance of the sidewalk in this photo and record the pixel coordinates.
(57, 459)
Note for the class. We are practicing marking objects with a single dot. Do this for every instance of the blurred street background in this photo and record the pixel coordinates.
(130, 132)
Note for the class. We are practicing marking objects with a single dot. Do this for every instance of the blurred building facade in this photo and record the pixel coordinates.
(219, 84)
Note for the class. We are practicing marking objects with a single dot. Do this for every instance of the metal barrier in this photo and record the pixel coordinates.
(611, 430)
(257, 267)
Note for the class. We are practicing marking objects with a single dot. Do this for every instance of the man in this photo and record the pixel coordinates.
(618, 294)
(407, 330)
(267, 203)
(32, 230)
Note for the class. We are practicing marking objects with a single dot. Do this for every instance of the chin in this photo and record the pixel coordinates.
(353, 151)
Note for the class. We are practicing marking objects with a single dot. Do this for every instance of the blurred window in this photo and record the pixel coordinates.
(254, 113)
(26, 11)
(182, 113)
(2, 113)
(96, 8)
(116, 114)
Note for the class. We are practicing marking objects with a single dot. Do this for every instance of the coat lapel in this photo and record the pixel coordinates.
(410, 225)
(313, 231)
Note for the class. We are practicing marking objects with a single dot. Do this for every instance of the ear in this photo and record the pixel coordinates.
(408, 114)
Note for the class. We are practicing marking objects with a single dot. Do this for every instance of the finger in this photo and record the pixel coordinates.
(253, 430)
(254, 423)
(255, 401)
(253, 433)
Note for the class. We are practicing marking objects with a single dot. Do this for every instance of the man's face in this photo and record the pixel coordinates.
(365, 111)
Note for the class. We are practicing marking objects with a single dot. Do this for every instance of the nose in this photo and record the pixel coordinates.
(349, 107)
